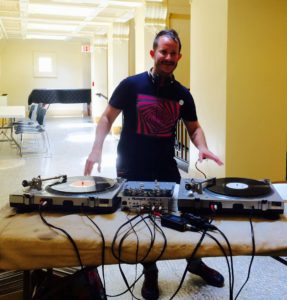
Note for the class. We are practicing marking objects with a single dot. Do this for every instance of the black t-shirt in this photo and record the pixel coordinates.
(150, 115)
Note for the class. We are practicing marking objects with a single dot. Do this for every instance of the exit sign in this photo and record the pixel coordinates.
(86, 48)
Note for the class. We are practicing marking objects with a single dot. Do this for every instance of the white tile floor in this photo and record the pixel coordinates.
(71, 140)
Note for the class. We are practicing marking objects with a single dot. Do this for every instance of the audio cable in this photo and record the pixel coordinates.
(190, 222)
(252, 257)
(57, 288)
(196, 167)
(42, 204)
(85, 274)
(118, 255)
(103, 247)
(152, 229)
(186, 268)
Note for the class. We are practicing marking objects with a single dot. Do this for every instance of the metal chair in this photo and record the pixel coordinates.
(29, 130)
(32, 116)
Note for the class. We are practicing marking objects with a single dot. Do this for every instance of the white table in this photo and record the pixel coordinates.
(3, 100)
(10, 113)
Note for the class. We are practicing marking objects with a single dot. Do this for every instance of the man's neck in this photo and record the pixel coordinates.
(162, 75)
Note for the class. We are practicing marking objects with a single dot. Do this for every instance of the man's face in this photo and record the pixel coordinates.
(165, 56)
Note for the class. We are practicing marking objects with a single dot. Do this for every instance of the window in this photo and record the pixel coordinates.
(45, 65)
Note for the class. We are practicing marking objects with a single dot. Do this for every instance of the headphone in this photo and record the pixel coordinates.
(158, 80)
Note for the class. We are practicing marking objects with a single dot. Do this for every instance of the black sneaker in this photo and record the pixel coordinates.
(150, 290)
(210, 276)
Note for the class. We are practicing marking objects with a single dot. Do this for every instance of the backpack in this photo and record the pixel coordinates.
(84, 284)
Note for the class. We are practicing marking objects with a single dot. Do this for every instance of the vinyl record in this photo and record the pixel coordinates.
(240, 187)
(82, 184)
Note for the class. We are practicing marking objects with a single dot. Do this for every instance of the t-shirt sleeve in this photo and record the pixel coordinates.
(120, 95)
(188, 109)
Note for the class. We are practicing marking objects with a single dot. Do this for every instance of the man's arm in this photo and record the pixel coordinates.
(103, 128)
(197, 137)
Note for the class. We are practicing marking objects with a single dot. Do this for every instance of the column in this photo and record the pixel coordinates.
(99, 76)
(118, 63)
(149, 19)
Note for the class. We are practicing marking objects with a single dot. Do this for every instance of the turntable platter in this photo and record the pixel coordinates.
(240, 187)
(82, 184)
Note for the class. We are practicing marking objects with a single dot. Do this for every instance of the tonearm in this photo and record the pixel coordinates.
(36, 182)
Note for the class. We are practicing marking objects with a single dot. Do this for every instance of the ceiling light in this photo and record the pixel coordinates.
(43, 26)
(59, 10)
(128, 4)
(82, 1)
(45, 37)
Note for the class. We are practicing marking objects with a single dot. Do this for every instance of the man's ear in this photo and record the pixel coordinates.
(151, 53)
(179, 56)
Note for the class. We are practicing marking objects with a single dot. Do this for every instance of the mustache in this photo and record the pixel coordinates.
(168, 63)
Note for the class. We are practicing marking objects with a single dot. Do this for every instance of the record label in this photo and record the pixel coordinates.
(240, 187)
(82, 183)
(237, 185)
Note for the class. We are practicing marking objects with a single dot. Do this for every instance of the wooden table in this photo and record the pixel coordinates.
(10, 113)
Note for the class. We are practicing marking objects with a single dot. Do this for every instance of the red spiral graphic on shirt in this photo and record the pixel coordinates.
(156, 116)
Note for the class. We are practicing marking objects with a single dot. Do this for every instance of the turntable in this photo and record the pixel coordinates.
(229, 195)
(89, 193)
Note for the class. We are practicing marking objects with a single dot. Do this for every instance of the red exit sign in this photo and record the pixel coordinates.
(86, 48)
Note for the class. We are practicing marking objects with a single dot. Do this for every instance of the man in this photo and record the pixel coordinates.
(152, 103)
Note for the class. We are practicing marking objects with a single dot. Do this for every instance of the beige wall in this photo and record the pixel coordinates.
(2, 44)
(73, 68)
(1, 78)
(256, 89)
(132, 37)
(238, 80)
(179, 19)
(181, 23)
(139, 44)
(118, 69)
(99, 70)
(208, 78)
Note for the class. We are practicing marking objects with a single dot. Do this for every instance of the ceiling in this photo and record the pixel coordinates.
(62, 19)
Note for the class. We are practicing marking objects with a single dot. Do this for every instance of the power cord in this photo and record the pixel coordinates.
(42, 204)
(252, 257)
(103, 246)
(190, 222)
(133, 223)
(204, 175)
(186, 268)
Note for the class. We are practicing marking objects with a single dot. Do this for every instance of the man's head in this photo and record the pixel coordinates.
(166, 52)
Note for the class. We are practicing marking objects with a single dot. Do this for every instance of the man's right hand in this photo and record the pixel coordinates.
(103, 128)
(91, 160)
